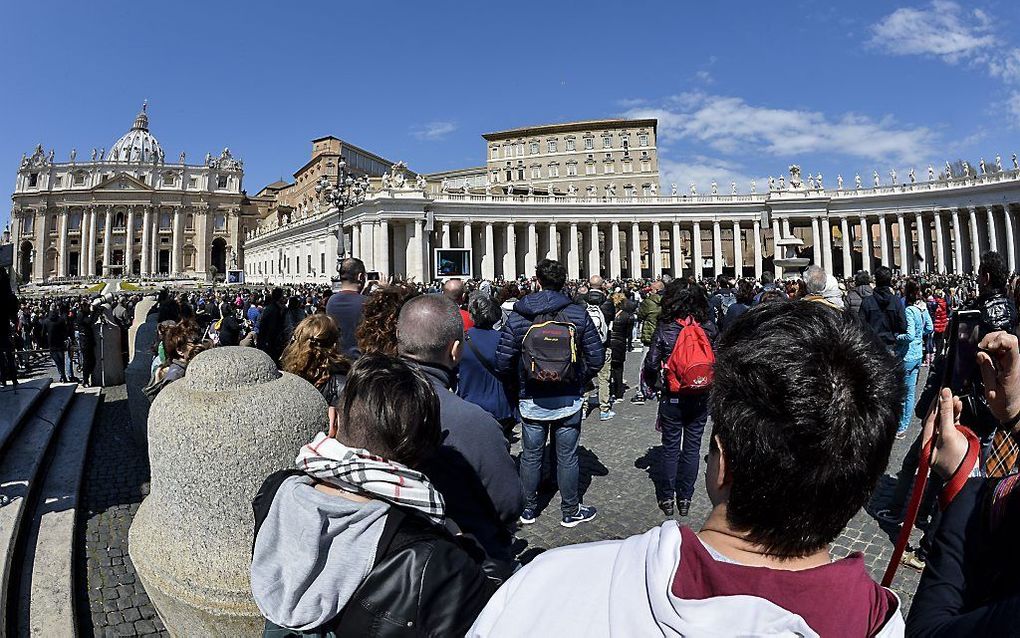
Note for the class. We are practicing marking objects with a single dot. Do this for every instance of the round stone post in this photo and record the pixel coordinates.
(214, 436)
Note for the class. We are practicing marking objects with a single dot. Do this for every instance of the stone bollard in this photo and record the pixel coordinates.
(214, 436)
(141, 336)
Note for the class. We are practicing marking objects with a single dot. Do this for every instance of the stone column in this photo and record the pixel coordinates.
(738, 251)
(826, 228)
(176, 230)
(922, 246)
(975, 241)
(467, 241)
(675, 252)
(129, 243)
(573, 250)
(202, 232)
(993, 236)
(367, 242)
(699, 262)
(615, 260)
(816, 242)
(905, 252)
(412, 250)
(883, 234)
(656, 248)
(866, 254)
(595, 254)
(489, 256)
(355, 241)
(62, 267)
(425, 248)
(510, 257)
(756, 237)
(93, 225)
(382, 249)
(107, 240)
(154, 247)
(775, 247)
(531, 251)
(446, 235)
(554, 243)
(191, 538)
(844, 230)
(717, 248)
(957, 242)
(1007, 218)
(635, 251)
(940, 243)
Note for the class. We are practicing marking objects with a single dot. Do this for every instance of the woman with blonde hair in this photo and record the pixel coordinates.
(314, 355)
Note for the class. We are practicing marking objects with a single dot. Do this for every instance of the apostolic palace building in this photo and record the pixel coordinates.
(587, 193)
(128, 212)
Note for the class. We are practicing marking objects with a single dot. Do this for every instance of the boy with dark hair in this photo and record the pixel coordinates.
(883, 310)
(789, 418)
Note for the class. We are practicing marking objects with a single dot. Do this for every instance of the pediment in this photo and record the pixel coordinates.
(122, 182)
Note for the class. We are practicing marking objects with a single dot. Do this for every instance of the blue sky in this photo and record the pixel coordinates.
(741, 89)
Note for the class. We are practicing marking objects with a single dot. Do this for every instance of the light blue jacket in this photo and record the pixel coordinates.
(919, 326)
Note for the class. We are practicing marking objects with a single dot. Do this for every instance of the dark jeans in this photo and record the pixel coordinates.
(682, 420)
(58, 360)
(616, 376)
(566, 433)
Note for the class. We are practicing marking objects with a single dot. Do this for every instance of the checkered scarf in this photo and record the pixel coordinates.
(362, 472)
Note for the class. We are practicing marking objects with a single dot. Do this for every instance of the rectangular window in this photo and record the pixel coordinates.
(607, 141)
(570, 144)
(571, 170)
(646, 166)
(322, 262)
(646, 190)
(79, 179)
(628, 167)
(589, 143)
(554, 170)
(309, 264)
(589, 169)
(495, 152)
(58, 181)
(33, 180)
(643, 139)
(221, 181)
(192, 183)
(520, 149)
(536, 172)
(609, 168)
(628, 191)
(552, 146)
(534, 148)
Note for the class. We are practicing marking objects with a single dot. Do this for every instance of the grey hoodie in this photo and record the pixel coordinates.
(311, 554)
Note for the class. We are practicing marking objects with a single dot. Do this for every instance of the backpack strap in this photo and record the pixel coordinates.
(478, 355)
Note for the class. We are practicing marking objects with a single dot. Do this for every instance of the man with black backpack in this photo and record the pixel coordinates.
(555, 350)
(882, 311)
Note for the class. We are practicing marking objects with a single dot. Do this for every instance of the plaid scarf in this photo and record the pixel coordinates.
(362, 472)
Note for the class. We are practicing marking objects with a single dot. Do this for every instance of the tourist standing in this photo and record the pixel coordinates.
(314, 355)
(623, 327)
(745, 297)
(882, 310)
(648, 317)
(55, 328)
(683, 411)
(8, 319)
(911, 349)
(345, 305)
(271, 329)
(477, 381)
(551, 391)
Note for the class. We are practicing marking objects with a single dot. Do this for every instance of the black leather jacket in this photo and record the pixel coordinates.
(425, 581)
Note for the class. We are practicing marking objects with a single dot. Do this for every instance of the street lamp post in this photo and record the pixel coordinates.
(346, 192)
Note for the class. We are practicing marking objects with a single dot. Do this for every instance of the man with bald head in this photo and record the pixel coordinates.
(454, 290)
(472, 469)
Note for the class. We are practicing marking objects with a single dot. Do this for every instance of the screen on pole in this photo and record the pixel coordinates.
(453, 262)
(235, 276)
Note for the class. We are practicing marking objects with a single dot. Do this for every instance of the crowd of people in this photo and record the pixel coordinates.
(399, 517)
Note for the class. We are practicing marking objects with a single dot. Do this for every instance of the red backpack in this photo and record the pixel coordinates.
(689, 368)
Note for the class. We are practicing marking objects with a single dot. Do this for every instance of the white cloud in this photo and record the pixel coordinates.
(944, 29)
(1013, 106)
(705, 77)
(434, 131)
(701, 170)
(730, 125)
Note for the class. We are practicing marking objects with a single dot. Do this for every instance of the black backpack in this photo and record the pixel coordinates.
(549, 350)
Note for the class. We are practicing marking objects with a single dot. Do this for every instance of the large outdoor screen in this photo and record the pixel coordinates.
(453, 262)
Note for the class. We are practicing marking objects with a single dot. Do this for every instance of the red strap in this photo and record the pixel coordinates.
(920, 481)
(962, 473)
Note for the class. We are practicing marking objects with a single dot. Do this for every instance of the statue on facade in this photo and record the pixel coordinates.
(782, 182)
(385, 179)
(876, 179)
(694, 189)
(839, 182)
(488, 187)
(398, 178)
(74, 154)
(772, 183)
(654, 189)
(931, 173)
(810, 181)
(672, 189)
(611, 189)
(982, 169)
(93, 154)
(795, 181)
(531, 189)
(733, 188)
(181, 157)
(892, 174)
(50, 156)
(571, 190)
(966, 169)
(509, 189)
(1015, 165)
(208, 158)
(857, 181)
(818, 180)
(754, 187)
(715, 188)
(949, 170)
(421, 184)
(590, 190)
(998, 163)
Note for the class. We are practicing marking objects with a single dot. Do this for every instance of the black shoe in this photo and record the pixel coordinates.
(888, 516)
(684, 506)
(666, 506)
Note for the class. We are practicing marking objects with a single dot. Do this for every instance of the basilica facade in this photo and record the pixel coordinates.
(128, 212)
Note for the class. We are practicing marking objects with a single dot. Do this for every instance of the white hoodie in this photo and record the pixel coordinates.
(626, 589)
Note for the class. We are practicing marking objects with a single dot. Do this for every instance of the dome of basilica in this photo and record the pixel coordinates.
(138, 144)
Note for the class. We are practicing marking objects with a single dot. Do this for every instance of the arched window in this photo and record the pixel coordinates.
(189, 222)
(220, 222)
(119, 223)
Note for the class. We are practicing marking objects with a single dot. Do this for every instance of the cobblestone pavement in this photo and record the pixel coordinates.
(618, 460)
(111, 600)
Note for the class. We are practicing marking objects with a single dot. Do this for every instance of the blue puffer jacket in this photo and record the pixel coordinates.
(549, 302)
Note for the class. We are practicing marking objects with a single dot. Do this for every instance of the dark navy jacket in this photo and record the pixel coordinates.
(592, 352)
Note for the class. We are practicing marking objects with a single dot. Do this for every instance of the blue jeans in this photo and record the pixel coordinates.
(682, 421)
(566, 433)
(911, 368)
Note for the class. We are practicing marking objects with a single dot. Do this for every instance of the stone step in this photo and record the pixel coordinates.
(46, 594)
(19, 467)
(16, 403)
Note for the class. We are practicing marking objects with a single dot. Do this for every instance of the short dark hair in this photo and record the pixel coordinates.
(994, 267)
(352, 271)
(911, 291)
(427, 325)
(805, 402)
(883, 277)
(862, 278)
(484, 310)
(681, 299)
(745, 292)
(551, 274)
(767, 277)
(389, 408)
